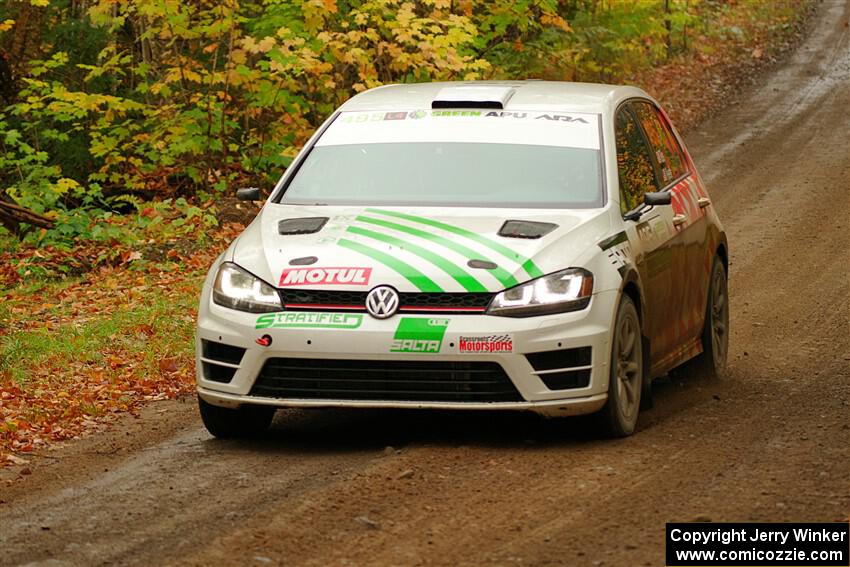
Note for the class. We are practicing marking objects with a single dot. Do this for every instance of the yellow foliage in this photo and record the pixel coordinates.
(63, 185)
(263, 46)
(556, 21)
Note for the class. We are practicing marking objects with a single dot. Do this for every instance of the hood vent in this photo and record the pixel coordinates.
(482, 264)
(473, 97)
(526, 229)
(301, 226)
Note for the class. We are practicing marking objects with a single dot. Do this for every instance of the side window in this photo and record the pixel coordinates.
(634, 163)
(668, 155)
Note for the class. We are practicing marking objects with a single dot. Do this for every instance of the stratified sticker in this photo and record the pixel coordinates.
(421, 335)
(304, 320)
(325, 276)
(485, 344)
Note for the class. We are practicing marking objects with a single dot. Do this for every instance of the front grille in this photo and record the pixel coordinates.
(481, 300)
(385, 380)
(320, 298)
(310, 300)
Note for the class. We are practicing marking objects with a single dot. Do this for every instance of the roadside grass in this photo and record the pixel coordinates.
(158, 327)
(66, 367)
(76, 351)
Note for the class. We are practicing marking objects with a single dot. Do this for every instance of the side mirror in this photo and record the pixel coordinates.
(650, 200)
(659, 198)
(248, 194)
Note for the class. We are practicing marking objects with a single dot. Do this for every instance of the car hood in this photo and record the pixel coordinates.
(429, 249)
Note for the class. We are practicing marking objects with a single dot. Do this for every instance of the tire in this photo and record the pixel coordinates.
(711, 363)
(625, 383)
(226, 423)
(647, 402)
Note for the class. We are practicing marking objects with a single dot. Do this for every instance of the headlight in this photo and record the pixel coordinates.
(567, 290)
(238, 289)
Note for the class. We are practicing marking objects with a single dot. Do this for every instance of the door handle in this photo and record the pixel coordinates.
(703, 202)
(679, 220)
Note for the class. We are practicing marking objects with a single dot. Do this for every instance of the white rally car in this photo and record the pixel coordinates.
(523, 245)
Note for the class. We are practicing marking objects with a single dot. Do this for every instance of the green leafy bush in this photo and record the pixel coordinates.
(161, 98)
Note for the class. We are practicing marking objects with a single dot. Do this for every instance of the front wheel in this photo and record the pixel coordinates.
(226, 423)
(626, 378)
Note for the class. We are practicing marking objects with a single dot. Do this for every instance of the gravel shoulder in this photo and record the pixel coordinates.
(770, 442)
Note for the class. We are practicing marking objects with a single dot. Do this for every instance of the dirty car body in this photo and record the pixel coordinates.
(466, 246)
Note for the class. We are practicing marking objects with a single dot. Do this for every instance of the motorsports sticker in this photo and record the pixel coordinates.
(487, 343)
(325, 276)
(419, 335)
(309, 321)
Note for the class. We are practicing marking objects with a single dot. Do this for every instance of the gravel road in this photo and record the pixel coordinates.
(770, 442)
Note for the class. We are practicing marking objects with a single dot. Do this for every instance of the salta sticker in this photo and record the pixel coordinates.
(325, 276)
(419, 334)
(485, 344)
(305, 320)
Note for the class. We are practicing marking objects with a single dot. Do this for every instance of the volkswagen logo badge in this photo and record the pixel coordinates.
(382, 302)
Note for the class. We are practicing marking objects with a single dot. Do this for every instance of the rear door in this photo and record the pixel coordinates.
(659, 254)
(689, 225)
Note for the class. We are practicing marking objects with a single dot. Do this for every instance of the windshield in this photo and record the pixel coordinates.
(453, 158)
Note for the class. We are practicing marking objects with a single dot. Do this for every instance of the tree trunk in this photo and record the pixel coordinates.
(12, 216)
(24, 42)
(7, 80)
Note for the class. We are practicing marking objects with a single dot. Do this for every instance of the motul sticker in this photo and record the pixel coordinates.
(419, 335)
(486, 343)
(325, 276)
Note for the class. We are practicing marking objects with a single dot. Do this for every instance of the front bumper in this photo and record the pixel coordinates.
(377, 340)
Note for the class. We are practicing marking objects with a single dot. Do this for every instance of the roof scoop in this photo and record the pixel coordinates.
(473, 97)
(301, 226)
(526, 229)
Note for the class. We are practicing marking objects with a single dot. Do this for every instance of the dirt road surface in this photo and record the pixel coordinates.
(771, 442)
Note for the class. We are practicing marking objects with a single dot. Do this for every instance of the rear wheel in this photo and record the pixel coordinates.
(625, 382)
(715, 331)
(227, 423)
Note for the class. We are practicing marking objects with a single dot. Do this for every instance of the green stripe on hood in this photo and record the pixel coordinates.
(500, 274)
(527, 264)
(468, 282)
(414, 276)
